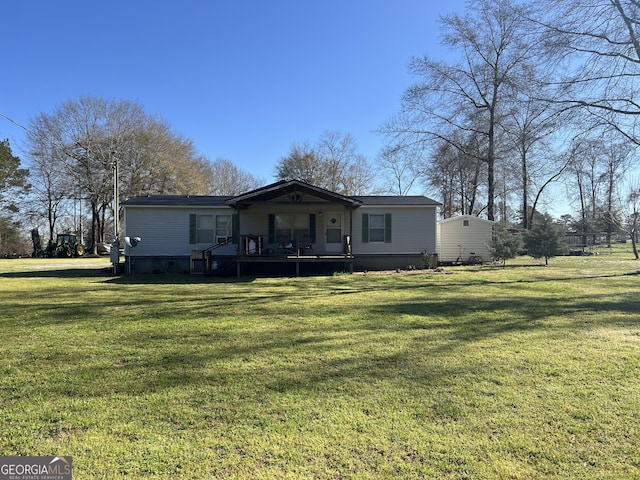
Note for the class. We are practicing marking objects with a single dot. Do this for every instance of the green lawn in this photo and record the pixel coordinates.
(526, 372)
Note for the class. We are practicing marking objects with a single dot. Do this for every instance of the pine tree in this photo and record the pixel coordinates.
(546, 239)
(13, 179)
(504, 244)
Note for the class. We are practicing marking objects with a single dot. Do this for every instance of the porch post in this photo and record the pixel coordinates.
(351, 229)
(238, 246)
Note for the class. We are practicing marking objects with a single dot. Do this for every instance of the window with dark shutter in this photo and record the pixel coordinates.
(272, 228)
(193, 228)
(201, 229)
(387, 228)
(376, 228)
(365, 228)
(312, 227)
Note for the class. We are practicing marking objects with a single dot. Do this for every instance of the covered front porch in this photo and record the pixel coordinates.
(290, 223)
(292, 217)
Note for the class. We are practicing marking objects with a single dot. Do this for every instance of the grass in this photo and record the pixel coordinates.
(519, 373)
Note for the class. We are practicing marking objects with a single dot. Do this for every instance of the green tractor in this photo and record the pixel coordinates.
(66, 245)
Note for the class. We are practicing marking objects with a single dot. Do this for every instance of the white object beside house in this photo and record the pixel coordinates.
(464, 237)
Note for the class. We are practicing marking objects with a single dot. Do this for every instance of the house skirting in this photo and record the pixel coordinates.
(389, 262)
(276, 265)
(293, 264)
(239, 265)
(136, 265)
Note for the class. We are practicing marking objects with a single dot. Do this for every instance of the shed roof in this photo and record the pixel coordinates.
(466, 217)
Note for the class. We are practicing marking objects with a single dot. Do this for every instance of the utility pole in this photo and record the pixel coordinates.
(114, 160)
(115, 246)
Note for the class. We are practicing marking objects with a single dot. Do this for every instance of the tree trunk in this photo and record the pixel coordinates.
(634, 234)
(525, 195)
(94, 227)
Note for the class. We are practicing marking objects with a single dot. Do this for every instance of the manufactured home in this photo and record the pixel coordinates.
(464, 239)
(288, 227)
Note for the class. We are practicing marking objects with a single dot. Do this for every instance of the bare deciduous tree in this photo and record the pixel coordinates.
(87, 140)
(458, 175)
(227, 179)
(402, 167)
(634, 216)
(474, 94)
(334, 163)
(598, 165)
(597, 45)
(51, 185)
(531, 130)
(302, 163)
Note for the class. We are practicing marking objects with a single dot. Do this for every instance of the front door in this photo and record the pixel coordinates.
(333, 232)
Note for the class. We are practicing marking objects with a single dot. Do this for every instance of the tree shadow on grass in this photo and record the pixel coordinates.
(402, 343)
(177, 279)
(58, 273)
(414, 282)
(110, 278)
(151, 355)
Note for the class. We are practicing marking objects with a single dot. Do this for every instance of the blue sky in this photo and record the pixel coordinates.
(242, 79)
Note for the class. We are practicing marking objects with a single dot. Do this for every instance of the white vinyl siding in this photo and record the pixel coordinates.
(165, 231)
(412, 230)
(464, 236)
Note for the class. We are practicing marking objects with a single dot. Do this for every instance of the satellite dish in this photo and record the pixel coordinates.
(132, 241)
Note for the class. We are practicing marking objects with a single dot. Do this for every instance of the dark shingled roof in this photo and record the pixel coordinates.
(399, 200)
(220, 201)
(290, 188)
(177, 201)
(269, 192)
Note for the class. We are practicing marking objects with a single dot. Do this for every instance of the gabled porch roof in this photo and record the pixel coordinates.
(295, 190)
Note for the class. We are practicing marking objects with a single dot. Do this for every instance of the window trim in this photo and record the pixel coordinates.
(193, 228)
(271, 220)
(366, 228)
(223, 235)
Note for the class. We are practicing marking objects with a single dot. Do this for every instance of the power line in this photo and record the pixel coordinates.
(14, 122)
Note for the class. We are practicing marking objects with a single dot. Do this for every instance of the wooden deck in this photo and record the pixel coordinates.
(297, 260)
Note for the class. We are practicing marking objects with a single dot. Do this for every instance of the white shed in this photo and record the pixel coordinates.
(464, 238)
